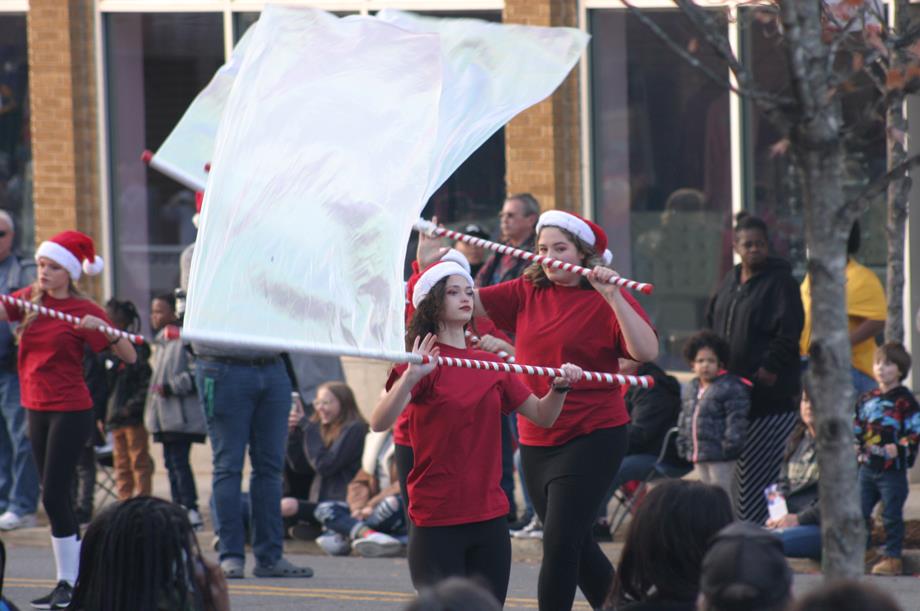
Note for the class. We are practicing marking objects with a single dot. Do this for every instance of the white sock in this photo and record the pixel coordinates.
(66, 557)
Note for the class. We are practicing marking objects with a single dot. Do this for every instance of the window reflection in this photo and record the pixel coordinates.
(662, 173)
(15, 144)
(157, 63)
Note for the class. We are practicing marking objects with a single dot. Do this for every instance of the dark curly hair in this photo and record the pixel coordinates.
(428, 313)
(124, 312)
(706, 339)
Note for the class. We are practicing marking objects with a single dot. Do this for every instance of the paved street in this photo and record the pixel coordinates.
(353, 583)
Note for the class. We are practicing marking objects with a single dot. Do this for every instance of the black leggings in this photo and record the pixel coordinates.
(405, 460)
(567, 483)
(58, 439)
(480, 549)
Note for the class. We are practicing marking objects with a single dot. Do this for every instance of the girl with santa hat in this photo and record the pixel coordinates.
(458, 510)
(59, 405)
(559, 316)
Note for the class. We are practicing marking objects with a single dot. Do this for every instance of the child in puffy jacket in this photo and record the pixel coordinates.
(714, 412)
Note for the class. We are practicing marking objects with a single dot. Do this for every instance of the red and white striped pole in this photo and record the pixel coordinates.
(433, 230)
(44, 311)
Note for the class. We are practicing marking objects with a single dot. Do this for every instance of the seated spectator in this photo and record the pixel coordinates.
(745, 569)
(714, 414)
(652, 413)
(846, 596)
(454, 594)
(800, 528)
(331, 442)
(665, 543)
(374, 513)
(141, 554)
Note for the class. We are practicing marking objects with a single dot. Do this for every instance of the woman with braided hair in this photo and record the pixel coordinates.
(142, 555)
(53, 391)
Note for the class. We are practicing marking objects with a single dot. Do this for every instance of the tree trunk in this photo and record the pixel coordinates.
(820, 158)
(898, 191)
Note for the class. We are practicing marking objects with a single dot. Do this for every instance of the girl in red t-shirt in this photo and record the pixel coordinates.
(53, 391)
(557, 316)
(458, 510)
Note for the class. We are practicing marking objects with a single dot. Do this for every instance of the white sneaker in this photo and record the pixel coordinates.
(334, 544)
(377, 545)
(534, 530)
(195, 520)
(12, 521)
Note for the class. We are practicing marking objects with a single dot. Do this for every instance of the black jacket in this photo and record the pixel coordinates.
(127, 388)
(762, 322)
(652, 411)
(334, 466)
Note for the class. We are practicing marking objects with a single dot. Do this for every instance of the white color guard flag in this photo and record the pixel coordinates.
(190, 145)
(334, 135)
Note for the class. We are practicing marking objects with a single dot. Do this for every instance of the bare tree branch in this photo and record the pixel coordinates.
(881, 183)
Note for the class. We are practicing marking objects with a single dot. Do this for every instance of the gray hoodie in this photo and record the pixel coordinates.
(175, 408)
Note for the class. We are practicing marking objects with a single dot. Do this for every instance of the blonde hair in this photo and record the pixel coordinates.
(590, 259)
(348, 411)
(36, 297)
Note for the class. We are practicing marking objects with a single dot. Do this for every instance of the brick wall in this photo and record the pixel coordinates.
(543, 144)
(62, 90)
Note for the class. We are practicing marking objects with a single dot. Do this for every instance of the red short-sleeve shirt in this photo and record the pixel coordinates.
(556, 325)
(455, 427)
(51, 355)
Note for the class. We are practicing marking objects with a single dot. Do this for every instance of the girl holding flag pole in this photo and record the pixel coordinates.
(458, 510)
(53, 391)
(558, 316)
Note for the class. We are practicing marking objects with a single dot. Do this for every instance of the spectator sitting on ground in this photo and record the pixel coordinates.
(745, 569)
(660, 563)
(846, 596)
(141, 554)
(374, 511)
(713, 419)
(455, 594)
(800, 529)
(652, 413)
(331, 442)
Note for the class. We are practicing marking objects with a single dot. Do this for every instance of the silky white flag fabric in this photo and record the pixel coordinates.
(187, 150)
(334, 135)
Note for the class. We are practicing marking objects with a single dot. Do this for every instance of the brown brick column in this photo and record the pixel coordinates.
(543, 144)
(62, 90)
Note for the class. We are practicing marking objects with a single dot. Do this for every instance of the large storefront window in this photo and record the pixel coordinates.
(15, 144)
(157, 63)
(771, 186)
(662, 172)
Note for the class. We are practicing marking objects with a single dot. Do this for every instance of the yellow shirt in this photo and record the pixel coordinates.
(865, 300)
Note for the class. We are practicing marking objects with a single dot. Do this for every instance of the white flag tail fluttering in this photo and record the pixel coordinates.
(334, 135)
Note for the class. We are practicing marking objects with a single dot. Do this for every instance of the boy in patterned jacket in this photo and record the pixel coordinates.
(887, 428)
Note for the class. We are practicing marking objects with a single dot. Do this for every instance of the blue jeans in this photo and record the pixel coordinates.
(247, 405)
(801, 541)
(387, 517)
(889, 487)
(18, 474)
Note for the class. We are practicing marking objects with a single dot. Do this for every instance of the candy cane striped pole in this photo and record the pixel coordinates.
(533, 370)
(34, 307)
(503, 355)
(431, 229)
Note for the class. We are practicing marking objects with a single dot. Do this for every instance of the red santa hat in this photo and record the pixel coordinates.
(433, 274)
(588, 232)
(74, 251)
